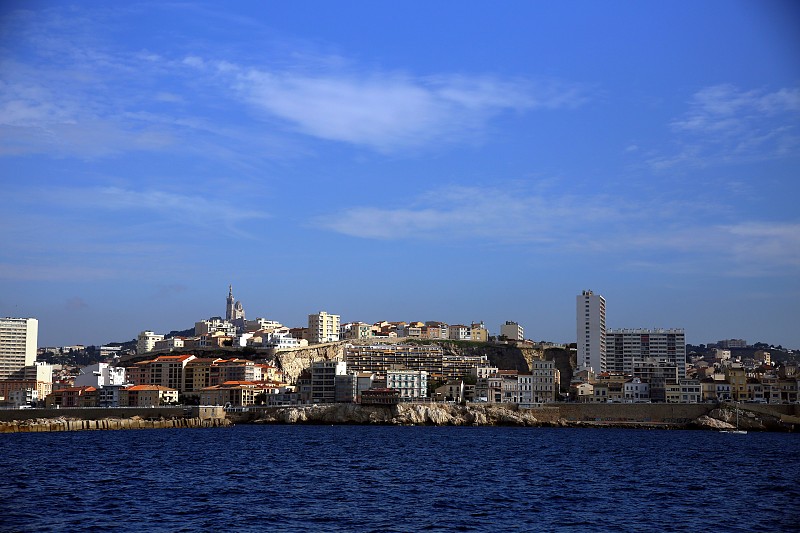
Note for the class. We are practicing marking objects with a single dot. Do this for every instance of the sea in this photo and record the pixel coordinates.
(397, 479)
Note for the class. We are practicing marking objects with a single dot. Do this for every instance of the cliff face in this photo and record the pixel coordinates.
(293, 362)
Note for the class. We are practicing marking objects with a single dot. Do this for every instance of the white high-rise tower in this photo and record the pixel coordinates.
(591, 327)
(18, 343)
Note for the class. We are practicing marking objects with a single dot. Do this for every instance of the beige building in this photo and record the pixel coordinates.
(165, 370)
(512, 331)
(323, 327)
(146, 341)
(147, 396)
(479, 333)
(18, 342)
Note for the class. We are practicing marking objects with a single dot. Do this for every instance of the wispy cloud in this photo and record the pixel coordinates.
(388, 111)
(592, 225)
(196, 210)
(506, 216)
(725, 124)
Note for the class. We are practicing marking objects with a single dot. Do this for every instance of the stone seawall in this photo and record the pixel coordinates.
(73, 424)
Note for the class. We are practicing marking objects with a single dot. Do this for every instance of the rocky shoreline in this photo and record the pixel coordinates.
(493, 415)
(433, 414)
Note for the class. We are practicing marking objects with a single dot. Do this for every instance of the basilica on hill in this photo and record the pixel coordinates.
(234, 311)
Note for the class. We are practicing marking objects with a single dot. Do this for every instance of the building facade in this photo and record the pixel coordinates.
(323, 380)
(18, 342)
(512, 331)
(591, 331)
(323, 327)
(146, 341)
(412, 384)
(627, 349)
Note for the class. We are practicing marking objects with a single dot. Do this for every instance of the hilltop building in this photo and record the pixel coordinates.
(512, 331)
(146, 341)
(591, 331)
(323, 327)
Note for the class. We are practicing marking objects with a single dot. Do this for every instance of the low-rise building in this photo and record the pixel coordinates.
(412, 384)
(636, 390)
(72, 397)
(147, 396)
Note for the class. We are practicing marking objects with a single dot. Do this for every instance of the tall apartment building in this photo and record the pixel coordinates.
(323, 380)
(323, 327)
(591, 330)
(627, 349)
(18, 342)
(512, 331)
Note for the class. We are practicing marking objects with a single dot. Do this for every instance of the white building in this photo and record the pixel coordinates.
(512, 331)
(323, 327)
(39, 371)
(627, 349)
(213, 325)
(591, 330)
(100, 375)
(281, 340)
(18, 342)
(147, 341)
(261, 324)
(636, 390)
(412, 384)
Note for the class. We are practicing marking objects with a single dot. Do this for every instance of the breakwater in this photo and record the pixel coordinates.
(74, 424)
(79, 419)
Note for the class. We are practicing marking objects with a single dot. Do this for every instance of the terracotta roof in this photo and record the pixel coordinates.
(149, 387)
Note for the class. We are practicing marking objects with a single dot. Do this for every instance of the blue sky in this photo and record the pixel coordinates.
(454, 161)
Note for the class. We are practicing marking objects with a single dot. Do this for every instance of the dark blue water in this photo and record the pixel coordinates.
(354, 478)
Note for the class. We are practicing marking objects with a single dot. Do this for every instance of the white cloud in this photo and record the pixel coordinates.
(633, 234)
(387, 111)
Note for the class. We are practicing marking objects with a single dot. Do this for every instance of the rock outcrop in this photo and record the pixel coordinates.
(294, 361)
(412, 414)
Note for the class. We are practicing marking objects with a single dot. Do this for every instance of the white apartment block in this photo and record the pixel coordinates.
(636, 390)
(214, 325)
(627, 349)
(18, 342)
(412, 384)
(591, 331)
(512, 331)
(39, 371)
(146, 341)
(100, 375)
(323, 327)
(261, 324)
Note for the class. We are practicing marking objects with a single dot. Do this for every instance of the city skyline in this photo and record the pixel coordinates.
(401, 162)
